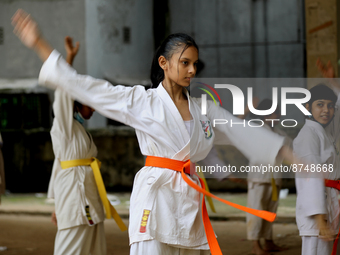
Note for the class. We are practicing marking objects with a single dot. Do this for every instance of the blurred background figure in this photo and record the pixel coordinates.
(263, 188)
(2, 171)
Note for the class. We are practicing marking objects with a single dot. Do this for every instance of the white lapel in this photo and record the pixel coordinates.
(184, 153)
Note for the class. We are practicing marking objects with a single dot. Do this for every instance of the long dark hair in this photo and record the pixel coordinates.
(168, 47)
(321, 91)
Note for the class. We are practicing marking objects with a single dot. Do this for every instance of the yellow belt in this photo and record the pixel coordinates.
(209, 199)
(95, 165)
(274, 190)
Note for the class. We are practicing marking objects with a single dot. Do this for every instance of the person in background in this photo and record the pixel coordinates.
(79, 211)
(317, 205)
(264, 188)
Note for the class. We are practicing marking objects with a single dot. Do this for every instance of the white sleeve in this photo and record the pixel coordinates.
(258, 144)
(63, 113)
(55, 168)
(120, 103)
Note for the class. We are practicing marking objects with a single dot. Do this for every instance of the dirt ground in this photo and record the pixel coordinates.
(24, 234)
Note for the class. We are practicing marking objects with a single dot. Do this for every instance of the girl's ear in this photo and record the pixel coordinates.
(307, 107)
(162, 62)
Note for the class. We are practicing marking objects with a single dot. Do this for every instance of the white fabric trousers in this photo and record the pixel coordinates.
(312, 245)
(260, 197)
(81, 240)
(155, 247)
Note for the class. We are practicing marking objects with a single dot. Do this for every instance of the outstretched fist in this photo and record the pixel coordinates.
(327, 71)
(70, 48)
(26, 28)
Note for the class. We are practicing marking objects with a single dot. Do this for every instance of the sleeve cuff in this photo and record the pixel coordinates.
(46, 69)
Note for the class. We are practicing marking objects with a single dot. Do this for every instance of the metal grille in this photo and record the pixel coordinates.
(1, 35)
(24, 111)
(126, 35)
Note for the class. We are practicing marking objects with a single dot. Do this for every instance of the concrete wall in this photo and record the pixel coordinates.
(244, 38)
(107, 54)
(56, 18)
(247, 39)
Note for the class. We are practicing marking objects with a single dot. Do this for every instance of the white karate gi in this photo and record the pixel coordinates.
(74, 188)
(317, 145)
(175, 216)
(260, 196)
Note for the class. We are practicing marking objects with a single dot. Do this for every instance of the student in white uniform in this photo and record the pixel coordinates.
(263, 190)
(74, 189)
(165, 212)
(317, 206)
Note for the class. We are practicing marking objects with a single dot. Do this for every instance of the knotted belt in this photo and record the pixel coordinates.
(335, 185)
(184, 168)
(95, 165)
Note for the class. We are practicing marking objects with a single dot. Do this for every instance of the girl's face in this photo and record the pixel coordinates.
(322, 110)
(182, 66)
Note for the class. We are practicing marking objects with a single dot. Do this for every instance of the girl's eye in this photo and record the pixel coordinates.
(320, 105)
(185, 62)
(331, 106)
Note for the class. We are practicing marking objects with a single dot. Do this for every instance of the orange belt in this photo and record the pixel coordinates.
(184, 168)
(336, 185)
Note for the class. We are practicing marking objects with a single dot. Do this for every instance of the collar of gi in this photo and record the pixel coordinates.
(79, 117)
(323, 125)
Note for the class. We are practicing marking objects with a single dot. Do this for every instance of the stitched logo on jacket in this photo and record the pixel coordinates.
(145, 218)
(206, 128)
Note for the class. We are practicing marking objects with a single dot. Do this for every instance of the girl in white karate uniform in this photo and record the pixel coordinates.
(165, 212)
(317, 206)
(74, 189)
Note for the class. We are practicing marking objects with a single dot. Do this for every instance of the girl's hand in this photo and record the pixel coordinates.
(327, 71)
(28, 32)
(26, 29)
(324, 230)
(237, 180)
(54, 219)
(70, 49)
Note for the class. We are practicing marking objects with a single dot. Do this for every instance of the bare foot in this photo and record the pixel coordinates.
(269, 245)
(257, 249)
